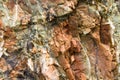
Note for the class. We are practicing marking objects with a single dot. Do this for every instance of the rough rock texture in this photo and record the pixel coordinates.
(59, 40)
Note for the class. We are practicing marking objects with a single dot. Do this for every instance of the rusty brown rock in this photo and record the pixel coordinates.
(10, 40)
(1, 24)
(68, 40)
(66, 66)
(75, 45)
(61, 40)
(33, 2)
(105, 35)
(101, 58)
(78, 68)
(10, 4)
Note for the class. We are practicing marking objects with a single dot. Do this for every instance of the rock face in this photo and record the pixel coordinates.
(58, 40)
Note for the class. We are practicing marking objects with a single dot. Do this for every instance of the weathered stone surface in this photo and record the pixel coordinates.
(58, 40)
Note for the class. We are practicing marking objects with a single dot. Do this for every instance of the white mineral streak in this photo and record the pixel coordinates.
(48, 70)
(10, 20)
(88, 64)
(112, 29)
(1, 44)
(15, 16)
(30, 64)
(116, 20)
(1, 48)
(18, 15)
(6, 16)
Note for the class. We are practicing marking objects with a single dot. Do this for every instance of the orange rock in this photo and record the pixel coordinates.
(14, 74)
(10, 39)
(100, 55)
(83, 77)
(75, 45)
(0, 23)
(66, 66)
(34, 50)
(3, 65)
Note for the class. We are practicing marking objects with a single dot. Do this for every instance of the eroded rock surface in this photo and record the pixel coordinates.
(57, 40)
